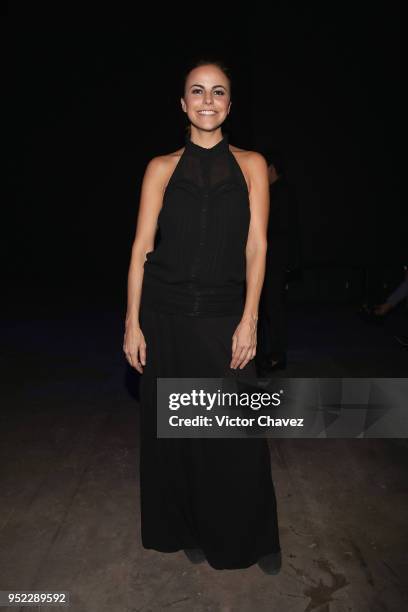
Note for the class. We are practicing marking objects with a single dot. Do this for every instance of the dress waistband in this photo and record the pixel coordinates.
(190, 299)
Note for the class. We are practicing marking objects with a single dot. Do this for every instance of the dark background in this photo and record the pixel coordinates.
(90, 107)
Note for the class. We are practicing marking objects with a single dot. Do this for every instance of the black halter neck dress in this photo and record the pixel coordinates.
(216, 494)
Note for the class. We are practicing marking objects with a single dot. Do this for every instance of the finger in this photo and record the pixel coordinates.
(251, 354)
(234, 357)
(128, 358)
(237, 356)
(142, 354)
(138, 367)
(234, 348)
(242, 353)
(243, 359)
(243, 364)
(135, 362)
(246, 360)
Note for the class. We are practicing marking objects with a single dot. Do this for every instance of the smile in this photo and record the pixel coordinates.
(206, 112)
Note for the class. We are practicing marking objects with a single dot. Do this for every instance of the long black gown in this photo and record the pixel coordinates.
(216, 494)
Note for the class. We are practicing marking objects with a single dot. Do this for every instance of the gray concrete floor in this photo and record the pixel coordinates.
(69, 515)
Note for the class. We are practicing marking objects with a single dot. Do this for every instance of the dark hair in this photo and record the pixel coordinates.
(205, 62)
(275, 158)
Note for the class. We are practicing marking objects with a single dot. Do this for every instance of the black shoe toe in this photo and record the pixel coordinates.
(195, 555)
(271, 564)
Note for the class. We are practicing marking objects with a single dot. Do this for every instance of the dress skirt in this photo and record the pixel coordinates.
(216, 494)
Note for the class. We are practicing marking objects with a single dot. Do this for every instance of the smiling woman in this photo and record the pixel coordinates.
(205, 98)
(192, 313)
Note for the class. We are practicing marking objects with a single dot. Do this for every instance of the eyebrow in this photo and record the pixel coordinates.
(214, 87)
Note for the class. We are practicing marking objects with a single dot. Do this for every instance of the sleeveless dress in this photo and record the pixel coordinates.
(216, 494)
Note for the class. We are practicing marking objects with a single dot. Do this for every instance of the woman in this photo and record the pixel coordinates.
(192, 312)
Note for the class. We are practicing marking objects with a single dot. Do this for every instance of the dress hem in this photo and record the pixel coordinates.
(216, 567)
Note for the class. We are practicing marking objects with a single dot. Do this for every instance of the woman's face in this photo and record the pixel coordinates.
(207, 97)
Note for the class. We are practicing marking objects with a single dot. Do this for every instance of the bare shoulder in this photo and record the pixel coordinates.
(161, 167)
(251, 162)
(250, 157)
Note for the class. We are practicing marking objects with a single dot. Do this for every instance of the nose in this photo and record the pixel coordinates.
(208, 98)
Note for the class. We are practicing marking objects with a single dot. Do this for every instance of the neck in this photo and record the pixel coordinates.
(205, 139)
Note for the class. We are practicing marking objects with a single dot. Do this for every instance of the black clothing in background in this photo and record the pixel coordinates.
(283, 255)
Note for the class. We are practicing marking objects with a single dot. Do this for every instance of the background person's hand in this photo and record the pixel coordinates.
(244, 343)
(382, 309)
(134, 347)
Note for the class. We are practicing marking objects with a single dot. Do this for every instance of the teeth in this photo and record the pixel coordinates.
(206, 112)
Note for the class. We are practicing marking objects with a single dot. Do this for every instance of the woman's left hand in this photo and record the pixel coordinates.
(244, 342)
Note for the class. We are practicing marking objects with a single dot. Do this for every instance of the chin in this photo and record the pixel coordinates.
(205, 127)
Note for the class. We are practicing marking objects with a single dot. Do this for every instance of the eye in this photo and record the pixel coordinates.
(219, 92)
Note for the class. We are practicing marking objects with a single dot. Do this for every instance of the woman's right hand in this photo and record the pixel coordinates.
(134, 347)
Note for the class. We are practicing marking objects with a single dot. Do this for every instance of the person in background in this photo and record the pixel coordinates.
(400, 293)
(283, 257)
(397, 296)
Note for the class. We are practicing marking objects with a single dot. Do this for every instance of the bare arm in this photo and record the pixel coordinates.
(257, 243)
(151, 201)
(244, 339)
